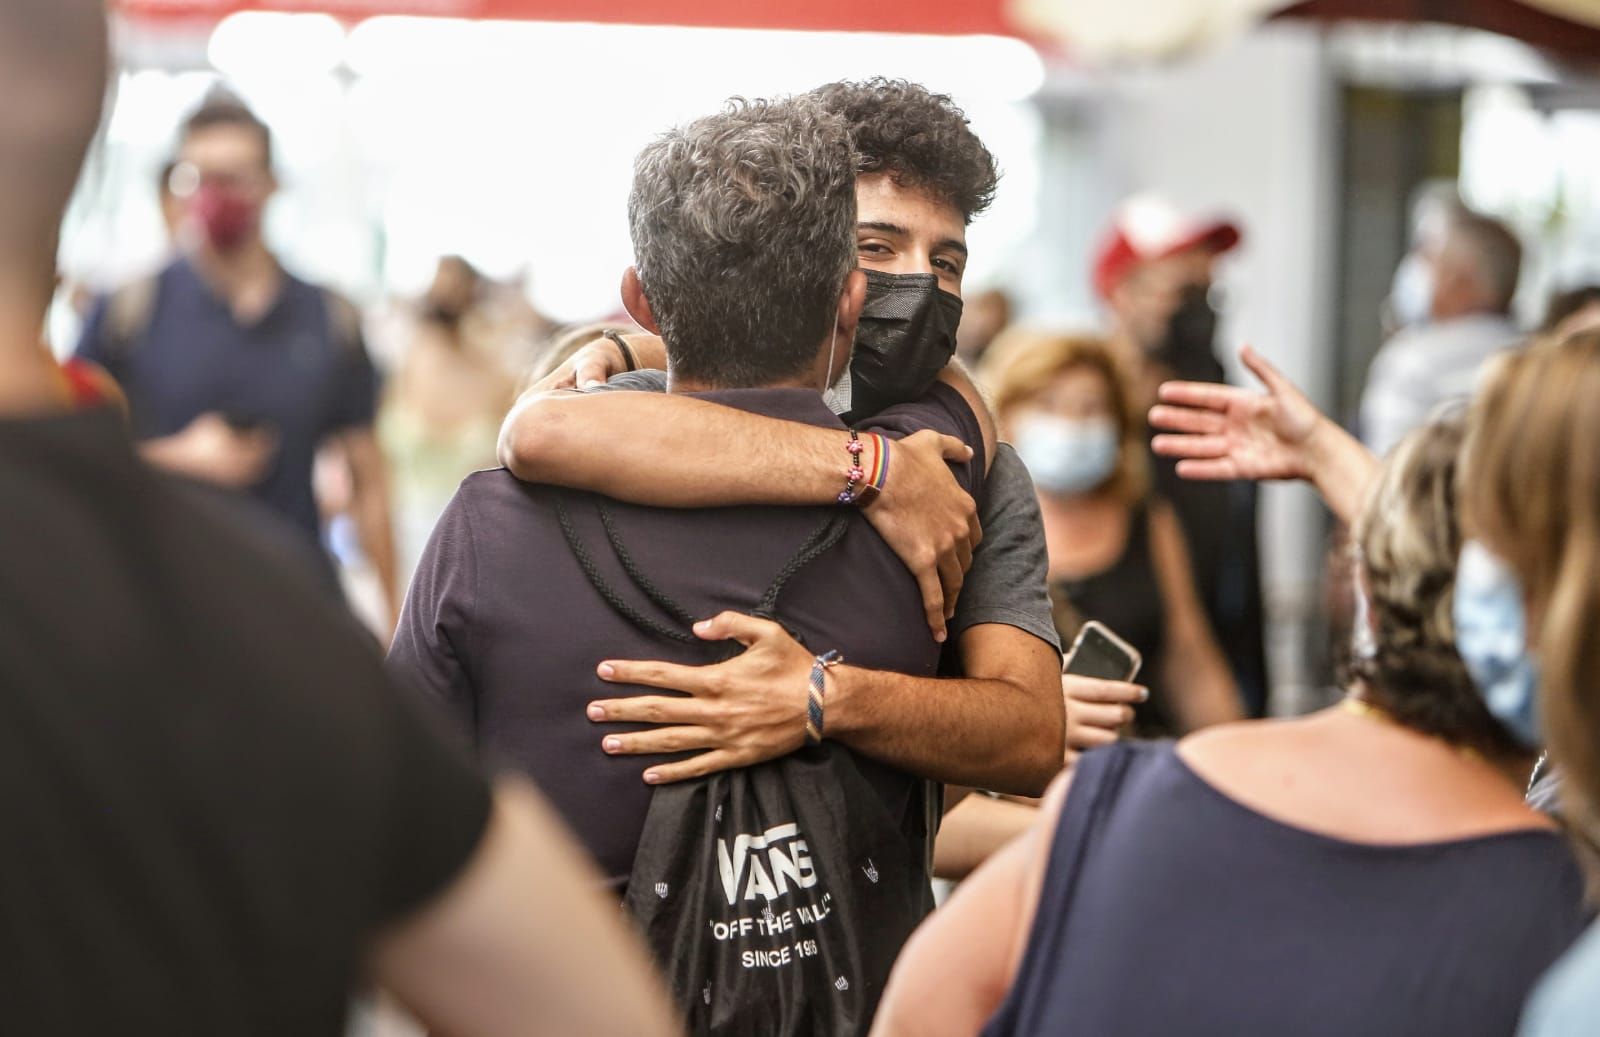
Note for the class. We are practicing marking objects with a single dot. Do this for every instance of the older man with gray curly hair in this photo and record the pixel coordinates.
(744, 230)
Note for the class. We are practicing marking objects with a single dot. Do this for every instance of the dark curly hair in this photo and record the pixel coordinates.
(920, 138)
(1407, 540)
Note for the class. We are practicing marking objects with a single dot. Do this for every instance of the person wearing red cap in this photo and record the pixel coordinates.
(1153, 272)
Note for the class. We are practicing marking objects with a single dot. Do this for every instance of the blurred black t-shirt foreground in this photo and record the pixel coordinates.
(210, 797)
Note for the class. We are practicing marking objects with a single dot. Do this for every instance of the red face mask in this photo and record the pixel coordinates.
(227, 218)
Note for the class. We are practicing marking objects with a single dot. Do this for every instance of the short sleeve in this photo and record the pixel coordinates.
(1007, 581)
(944, 410)
(355, 394)
(432, 640)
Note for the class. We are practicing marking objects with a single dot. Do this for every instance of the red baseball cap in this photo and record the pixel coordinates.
(1148, 227)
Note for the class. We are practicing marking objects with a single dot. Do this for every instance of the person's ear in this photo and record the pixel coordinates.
(851, 298)
(634, 301)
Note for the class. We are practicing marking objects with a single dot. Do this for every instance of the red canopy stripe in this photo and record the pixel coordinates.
(927, 16)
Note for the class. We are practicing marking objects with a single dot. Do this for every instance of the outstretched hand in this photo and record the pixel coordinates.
(1222, 432)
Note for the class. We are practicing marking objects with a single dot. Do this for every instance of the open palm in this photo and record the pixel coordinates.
(1221, 432)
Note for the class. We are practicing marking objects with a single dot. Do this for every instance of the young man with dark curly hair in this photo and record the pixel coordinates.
(923, 176)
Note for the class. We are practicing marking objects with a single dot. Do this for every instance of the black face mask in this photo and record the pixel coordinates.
(1186, 349)
(906, 336)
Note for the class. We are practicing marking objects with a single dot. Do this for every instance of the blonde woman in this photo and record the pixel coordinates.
(1116, 554)
(1532, 499)
(1371, 869)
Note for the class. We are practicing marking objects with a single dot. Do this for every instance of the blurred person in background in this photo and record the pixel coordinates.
(222, 815)
(1471, 280)
(1370, 869)
(236, 371)
(442, 408)
(1434, 206)
(983, 316)
(1155, 271)
(1117, 553)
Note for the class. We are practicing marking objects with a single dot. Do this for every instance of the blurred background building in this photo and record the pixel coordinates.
(503, 131)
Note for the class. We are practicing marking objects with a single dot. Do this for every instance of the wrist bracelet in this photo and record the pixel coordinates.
(818, 688)
(862, 484)
(622, 344)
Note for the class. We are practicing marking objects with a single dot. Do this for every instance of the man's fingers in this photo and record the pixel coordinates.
(693, 767)
(1207, 395)
(1092, 689)
(1186, 419)
(658, 740)
(736, 626)
(653, 674)
(591, 371)
(964, 554)
(563, 377)
(1185, 445)
(974, 529)
(952, 449)
(932, 601)
(951, 577)
(649, 709)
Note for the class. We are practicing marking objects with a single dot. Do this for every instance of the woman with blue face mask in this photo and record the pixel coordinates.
(1116, 554)
(1532, 500)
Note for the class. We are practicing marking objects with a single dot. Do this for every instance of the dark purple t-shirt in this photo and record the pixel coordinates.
(503, 629)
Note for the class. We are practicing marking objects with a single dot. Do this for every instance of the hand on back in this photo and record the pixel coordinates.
(928, 520)
(596, 362)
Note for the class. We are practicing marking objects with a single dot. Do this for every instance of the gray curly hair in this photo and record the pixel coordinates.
(743, 229)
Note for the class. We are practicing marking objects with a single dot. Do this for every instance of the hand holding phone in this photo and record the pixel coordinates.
(1101, 654)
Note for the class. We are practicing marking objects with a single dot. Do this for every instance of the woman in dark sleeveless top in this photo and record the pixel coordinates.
(1116, 555)
(1368, 871)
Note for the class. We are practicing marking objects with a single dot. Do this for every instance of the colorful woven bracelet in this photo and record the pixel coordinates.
(818, 688)
(863, 484)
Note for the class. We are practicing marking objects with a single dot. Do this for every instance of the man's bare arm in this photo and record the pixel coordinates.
(1001, 727)
(700, 454)
(523, 942)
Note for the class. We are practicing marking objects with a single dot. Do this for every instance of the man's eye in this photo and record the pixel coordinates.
(953, 269)
(873, 248)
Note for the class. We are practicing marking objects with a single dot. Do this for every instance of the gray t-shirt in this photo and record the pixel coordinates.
(1007, 581)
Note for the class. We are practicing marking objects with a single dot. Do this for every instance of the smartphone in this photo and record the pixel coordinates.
(1099, 653)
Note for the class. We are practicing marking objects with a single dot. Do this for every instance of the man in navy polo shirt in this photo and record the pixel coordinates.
(236, 371)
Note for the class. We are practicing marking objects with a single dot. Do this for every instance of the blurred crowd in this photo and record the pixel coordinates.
(391, 650)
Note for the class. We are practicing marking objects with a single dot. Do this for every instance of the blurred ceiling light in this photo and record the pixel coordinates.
(257, 43)
(1101, 30)
(692, 60)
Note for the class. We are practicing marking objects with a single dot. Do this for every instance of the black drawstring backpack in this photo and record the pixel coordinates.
(775, 897)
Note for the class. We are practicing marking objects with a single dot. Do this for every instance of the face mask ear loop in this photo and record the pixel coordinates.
(833, 343)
